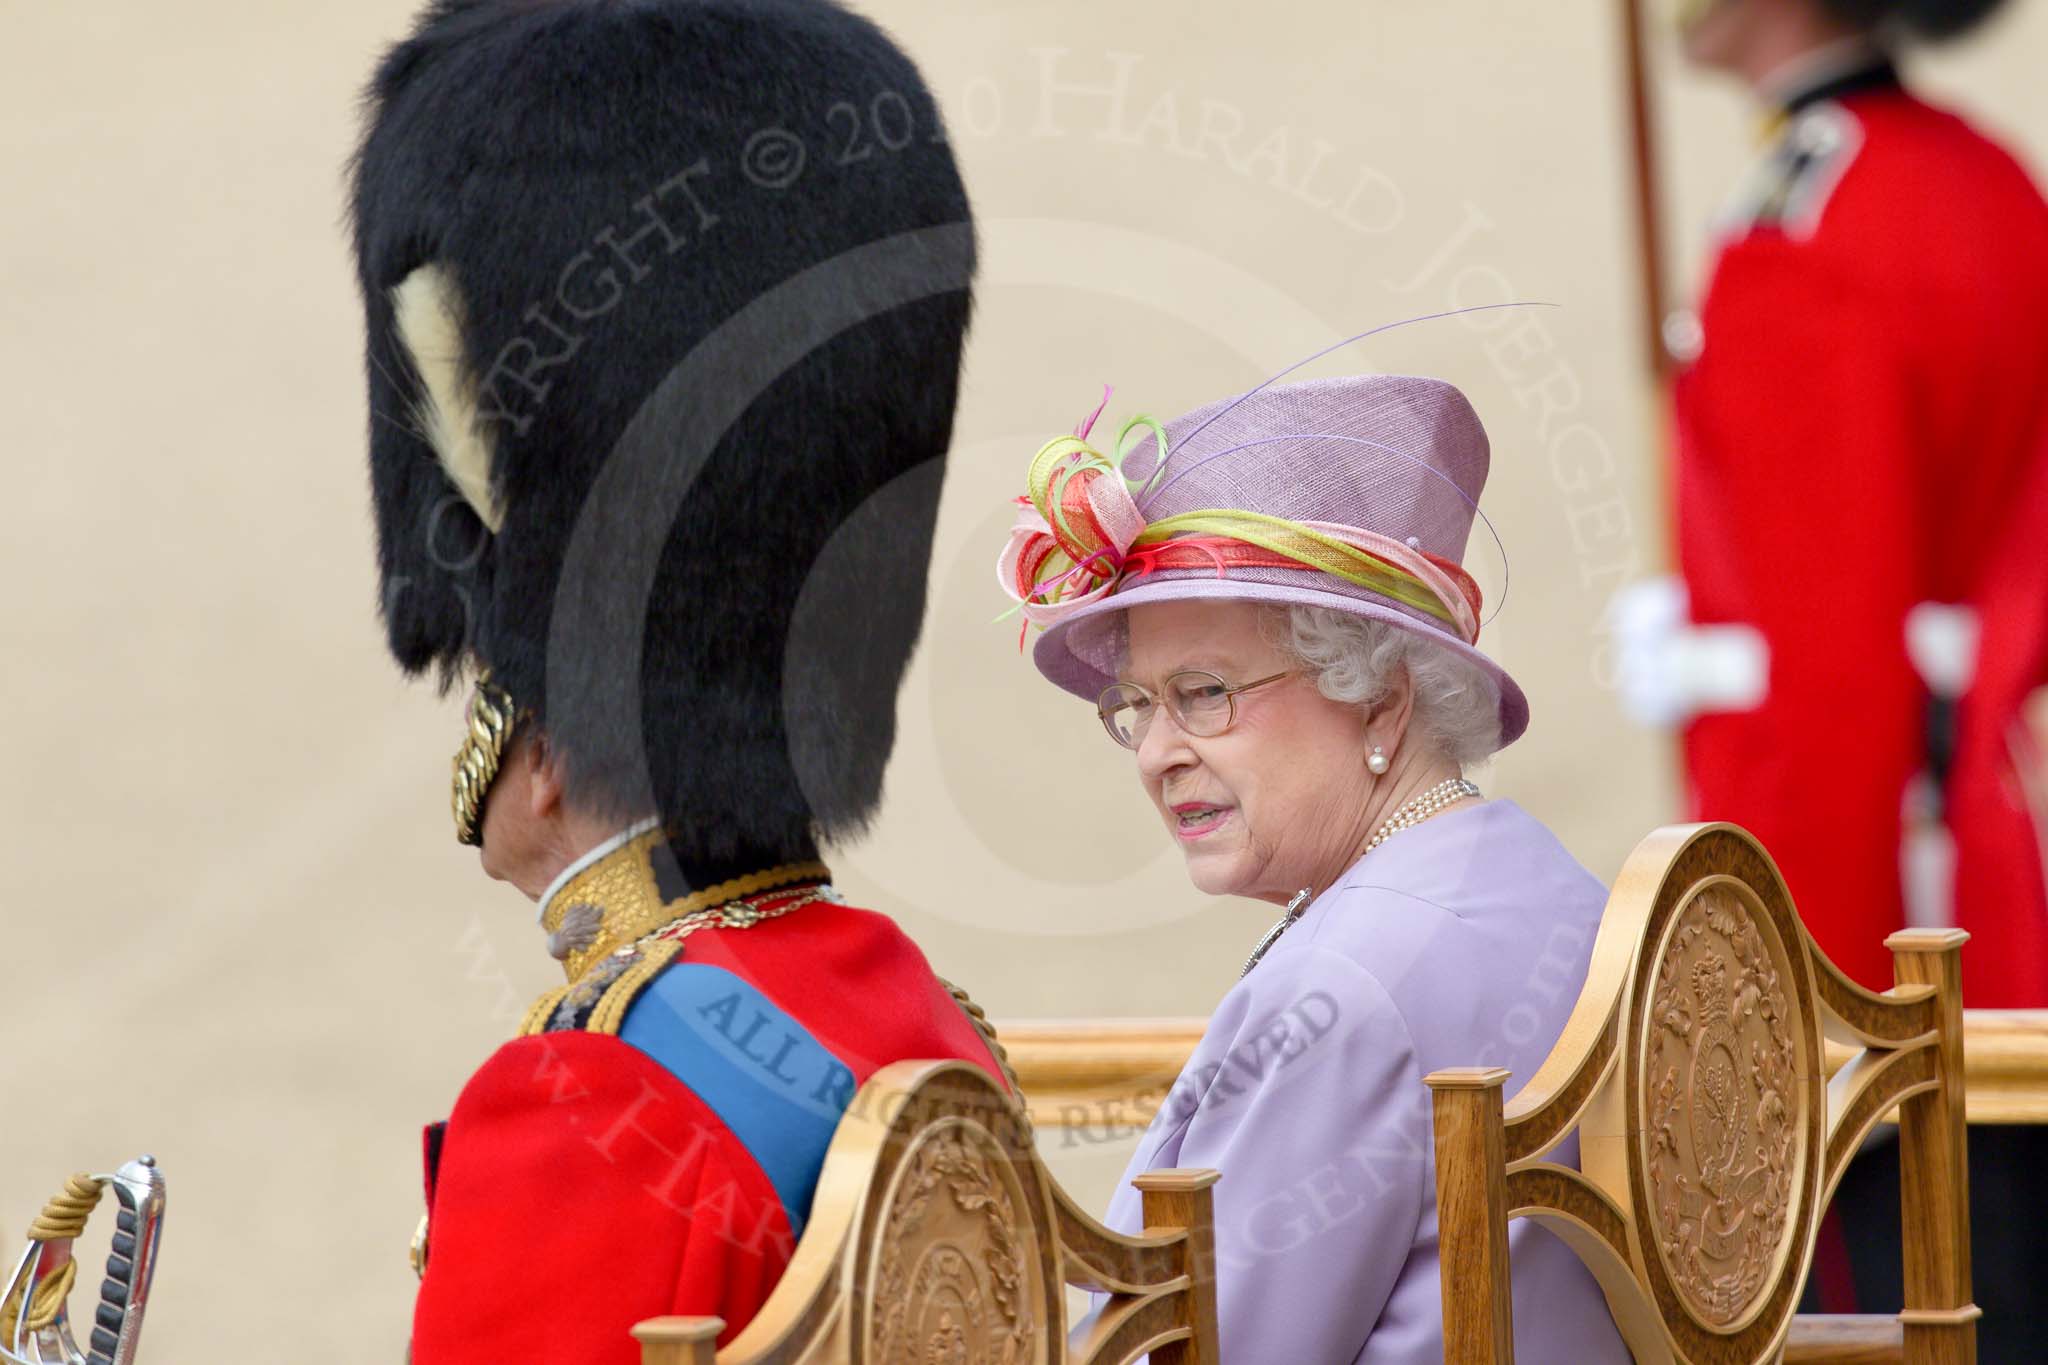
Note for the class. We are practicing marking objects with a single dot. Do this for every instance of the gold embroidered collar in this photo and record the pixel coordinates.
(610, 898)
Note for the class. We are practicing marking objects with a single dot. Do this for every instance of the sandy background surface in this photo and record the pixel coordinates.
(239, 933)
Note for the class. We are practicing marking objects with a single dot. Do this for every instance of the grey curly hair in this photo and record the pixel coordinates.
(1353, 658)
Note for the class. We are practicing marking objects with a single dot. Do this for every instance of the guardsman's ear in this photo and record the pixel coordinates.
(546, 775)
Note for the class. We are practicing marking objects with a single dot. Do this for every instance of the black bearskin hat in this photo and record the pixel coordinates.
(1927, 19)
(665, 305)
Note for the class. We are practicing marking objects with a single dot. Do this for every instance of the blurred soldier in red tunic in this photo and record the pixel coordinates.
(1862, 423)
(1862, 492)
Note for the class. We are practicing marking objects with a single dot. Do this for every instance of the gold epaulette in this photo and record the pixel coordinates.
(535, 1020)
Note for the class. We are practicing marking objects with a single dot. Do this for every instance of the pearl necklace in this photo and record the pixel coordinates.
(1420, 808)
(1412, 813)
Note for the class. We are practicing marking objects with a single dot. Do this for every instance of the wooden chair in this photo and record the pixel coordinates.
(937, 1235)
(1694, 1072)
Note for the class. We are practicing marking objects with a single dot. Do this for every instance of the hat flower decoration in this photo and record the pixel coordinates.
(1081, 533)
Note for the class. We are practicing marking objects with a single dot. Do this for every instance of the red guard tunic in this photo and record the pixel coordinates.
(587, 1180)
(1862, 430)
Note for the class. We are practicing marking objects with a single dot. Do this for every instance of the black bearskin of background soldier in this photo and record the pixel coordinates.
(1926, 19)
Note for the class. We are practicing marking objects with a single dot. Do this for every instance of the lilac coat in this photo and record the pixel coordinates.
(1461, 942)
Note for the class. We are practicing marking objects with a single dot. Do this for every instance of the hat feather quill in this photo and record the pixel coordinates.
(428, 314)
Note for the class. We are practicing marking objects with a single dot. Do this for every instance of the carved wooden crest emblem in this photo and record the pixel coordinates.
(956, 1274)
(1722, 1070)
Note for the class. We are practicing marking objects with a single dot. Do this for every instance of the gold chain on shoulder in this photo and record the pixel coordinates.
(656, 950)
(660, 948)
(977, 1016)
(630, 907)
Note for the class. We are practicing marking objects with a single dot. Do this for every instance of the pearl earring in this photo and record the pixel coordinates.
(1378, 764)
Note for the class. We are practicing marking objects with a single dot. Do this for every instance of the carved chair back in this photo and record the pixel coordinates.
(937, 1235)
(1695, 1071)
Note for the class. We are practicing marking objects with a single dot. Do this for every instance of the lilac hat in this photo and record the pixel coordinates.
(1377, 473)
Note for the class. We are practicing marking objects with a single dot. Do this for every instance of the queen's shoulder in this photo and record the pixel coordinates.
(1468, 861)
(1488, 885)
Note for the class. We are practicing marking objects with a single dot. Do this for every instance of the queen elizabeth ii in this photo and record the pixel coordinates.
(1265, 601)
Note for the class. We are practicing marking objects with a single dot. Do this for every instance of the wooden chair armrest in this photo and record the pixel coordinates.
(679, 1341)
(1845, 1339)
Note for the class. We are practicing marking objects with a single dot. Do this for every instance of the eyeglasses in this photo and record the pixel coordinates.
(1200, 703)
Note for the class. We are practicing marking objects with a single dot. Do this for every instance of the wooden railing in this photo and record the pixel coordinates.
(1110, 1075)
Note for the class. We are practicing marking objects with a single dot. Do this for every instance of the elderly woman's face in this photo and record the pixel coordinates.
(1276, 800)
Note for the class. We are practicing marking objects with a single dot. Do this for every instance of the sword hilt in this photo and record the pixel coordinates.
(39, 1332)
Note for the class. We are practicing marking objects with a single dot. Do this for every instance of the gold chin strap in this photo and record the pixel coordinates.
(492, 718)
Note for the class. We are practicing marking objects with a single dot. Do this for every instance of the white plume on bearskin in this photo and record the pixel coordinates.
(427, 310)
